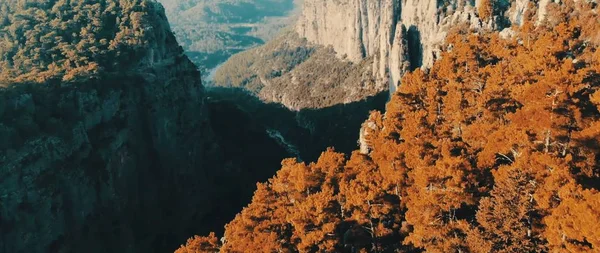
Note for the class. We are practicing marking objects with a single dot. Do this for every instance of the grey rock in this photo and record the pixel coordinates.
(400, 34)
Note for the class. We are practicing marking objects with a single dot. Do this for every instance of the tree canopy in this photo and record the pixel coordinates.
(61, 39)
(495, 149)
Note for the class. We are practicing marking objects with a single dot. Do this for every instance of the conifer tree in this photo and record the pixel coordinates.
(493, 149)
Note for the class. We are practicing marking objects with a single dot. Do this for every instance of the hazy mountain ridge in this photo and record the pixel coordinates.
(210, 31)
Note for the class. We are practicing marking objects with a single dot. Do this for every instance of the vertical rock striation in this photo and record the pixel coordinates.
(399, 35)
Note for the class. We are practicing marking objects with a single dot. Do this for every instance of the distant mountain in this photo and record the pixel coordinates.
(297, 74)
(212, 30)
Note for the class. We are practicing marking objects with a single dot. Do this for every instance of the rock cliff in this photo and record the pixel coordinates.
(399, 34)
(125, 160)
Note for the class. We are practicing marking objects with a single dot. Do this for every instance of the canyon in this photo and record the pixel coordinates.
(211, 31)
(376, 41)
(135, 158)
(140, 155)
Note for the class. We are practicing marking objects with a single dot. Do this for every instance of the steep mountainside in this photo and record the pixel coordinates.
(107, 143)
(383, 39)
(298, 75)
(212, 30)
(94, 148)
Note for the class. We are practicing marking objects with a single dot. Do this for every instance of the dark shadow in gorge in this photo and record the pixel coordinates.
(256, 136)
(308, 132)
(89, 170)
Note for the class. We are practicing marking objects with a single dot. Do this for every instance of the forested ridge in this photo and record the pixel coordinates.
(496, 148)
(291, 71)
(59, 39)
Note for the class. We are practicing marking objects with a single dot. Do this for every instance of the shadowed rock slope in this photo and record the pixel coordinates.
(106, 141)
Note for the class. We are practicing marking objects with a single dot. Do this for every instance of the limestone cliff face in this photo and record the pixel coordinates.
(399, 34)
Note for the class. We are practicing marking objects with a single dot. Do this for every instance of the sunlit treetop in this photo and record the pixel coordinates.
(494, 149)
(59, 39)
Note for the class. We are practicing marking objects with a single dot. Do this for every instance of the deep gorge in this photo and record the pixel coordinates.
(111, 142)
(126, 164)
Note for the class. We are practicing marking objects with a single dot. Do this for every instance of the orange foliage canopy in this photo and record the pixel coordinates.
(495, 149)
(486, 9)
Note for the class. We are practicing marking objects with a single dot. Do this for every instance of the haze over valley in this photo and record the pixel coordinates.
(210, 31)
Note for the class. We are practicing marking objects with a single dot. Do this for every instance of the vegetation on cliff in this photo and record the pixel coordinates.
(495, 149)
(99, 119)
(64, 40)
(300, 75)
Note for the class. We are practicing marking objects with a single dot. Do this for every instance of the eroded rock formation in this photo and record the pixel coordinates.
(399, 34)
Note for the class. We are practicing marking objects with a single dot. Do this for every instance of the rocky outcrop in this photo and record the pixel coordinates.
(399, 34)
(521, 10)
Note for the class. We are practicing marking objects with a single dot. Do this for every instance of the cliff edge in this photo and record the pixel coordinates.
(105, 136)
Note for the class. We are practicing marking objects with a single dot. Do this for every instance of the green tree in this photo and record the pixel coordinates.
(42, 40)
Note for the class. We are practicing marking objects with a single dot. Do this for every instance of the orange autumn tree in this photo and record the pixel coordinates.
(199, 244)
(496, 148)
(486, 9)
(573, 225)
(511, 199)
